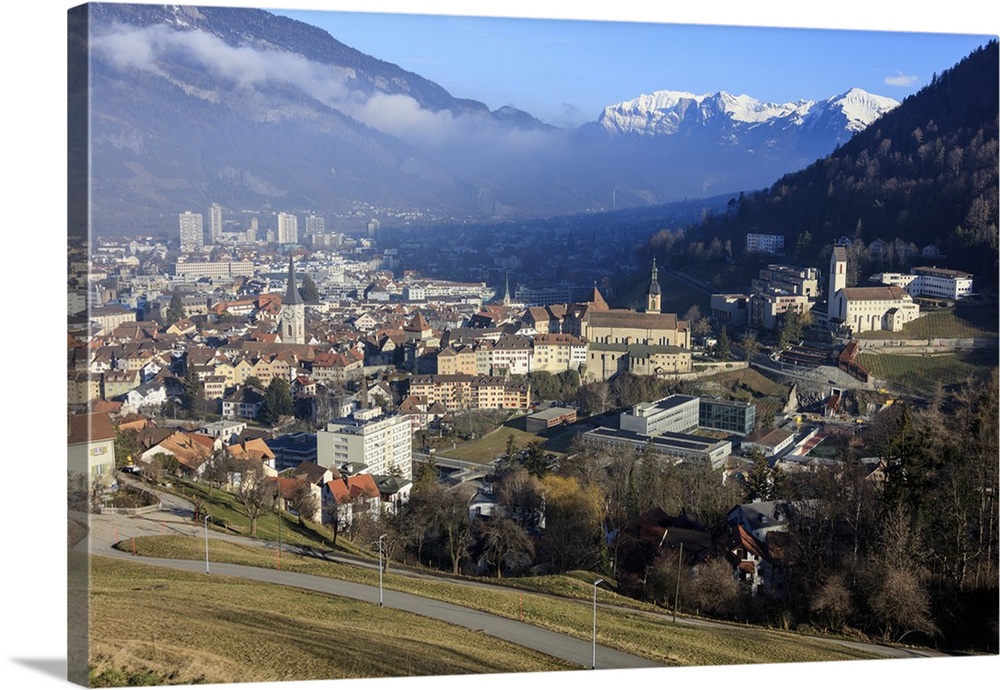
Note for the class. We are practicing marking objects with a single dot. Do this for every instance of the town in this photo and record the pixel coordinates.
(313, 375)
(367, 378)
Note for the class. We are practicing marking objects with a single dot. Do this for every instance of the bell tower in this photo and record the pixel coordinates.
(292, 324)
(653, 298)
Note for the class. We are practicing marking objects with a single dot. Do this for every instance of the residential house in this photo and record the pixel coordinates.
(255, 449)
(287, 489)
(244, 403)
(117, 383)
(761, 518)
(747, 556)
(558, 352)
(82, 387)
(393, 491)
(91, 445)
(147, 396)
(344, 498)
(512, 354)
(338, 366)
(187, 449)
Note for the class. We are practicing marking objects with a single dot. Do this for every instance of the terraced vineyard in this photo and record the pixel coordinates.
(974, 320)
(919, 374)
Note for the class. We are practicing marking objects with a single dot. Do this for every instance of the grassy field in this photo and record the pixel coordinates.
(485, 449)
(920, 373)
(632, 629)
(962, 321)
(226, 510)
(160, 626)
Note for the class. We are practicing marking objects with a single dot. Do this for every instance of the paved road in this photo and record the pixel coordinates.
(106, 530)
(175, 518)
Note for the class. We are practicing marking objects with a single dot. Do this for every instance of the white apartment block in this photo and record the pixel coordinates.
(315, 225)
(288, 228)
(382, 443)
(930, 281)
(191, 231)
(214, 269)
(730, 309)
(758, 243)
(791, 280)
(512, 354)
(765, 308)
(214, 223)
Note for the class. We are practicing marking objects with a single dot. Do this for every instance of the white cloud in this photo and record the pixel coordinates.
(903, 80)
(247, 68)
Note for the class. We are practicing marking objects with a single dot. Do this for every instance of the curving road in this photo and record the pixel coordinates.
(106, 530)
(175, 518)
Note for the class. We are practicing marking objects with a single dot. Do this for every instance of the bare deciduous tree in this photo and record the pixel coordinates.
(506, 545)
(715, 591)
(255, 493)
(305, 501)
(832, 601)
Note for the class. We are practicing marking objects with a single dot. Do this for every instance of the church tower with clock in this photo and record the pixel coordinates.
(292, 324)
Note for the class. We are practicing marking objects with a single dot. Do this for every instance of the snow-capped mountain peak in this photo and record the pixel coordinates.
(665, 113)
(861, 108)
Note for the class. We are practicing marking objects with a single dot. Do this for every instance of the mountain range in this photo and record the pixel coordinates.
(194, 105)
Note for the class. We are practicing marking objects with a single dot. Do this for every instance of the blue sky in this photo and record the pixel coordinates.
(565, 71)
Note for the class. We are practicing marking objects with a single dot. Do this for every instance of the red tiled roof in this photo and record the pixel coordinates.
(363, 485)
(90, 427)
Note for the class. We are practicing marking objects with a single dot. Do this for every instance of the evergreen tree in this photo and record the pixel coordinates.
(759, 479)
(278, 401)
(175, 312)
(723, 344)
(194, 395)
(309, 291)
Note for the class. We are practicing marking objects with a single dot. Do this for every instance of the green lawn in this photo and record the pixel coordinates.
(227, 513)
(160, 626)
(963, 321)
(921, 373)
(486, 448)
(631, 628)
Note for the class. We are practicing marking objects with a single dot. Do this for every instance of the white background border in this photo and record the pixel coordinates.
(33, 519)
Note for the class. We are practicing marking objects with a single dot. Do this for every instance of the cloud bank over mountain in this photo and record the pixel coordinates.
(194, 105)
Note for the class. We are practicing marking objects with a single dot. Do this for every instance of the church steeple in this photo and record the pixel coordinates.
(292, 295)
(653, 298)
(292, 324)
(506, 300)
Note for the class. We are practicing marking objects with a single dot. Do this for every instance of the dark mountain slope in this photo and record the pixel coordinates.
(925, 173)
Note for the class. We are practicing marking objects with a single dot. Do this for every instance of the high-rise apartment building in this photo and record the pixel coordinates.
(214, 223)
(315, 225)
(288, 228)
(192, 232)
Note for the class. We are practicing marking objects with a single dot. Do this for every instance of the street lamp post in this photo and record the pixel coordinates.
(206, 542)
(593, 659)
(381, 541)
(277, 511)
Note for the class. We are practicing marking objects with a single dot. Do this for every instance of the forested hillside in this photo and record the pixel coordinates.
(925, 173)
